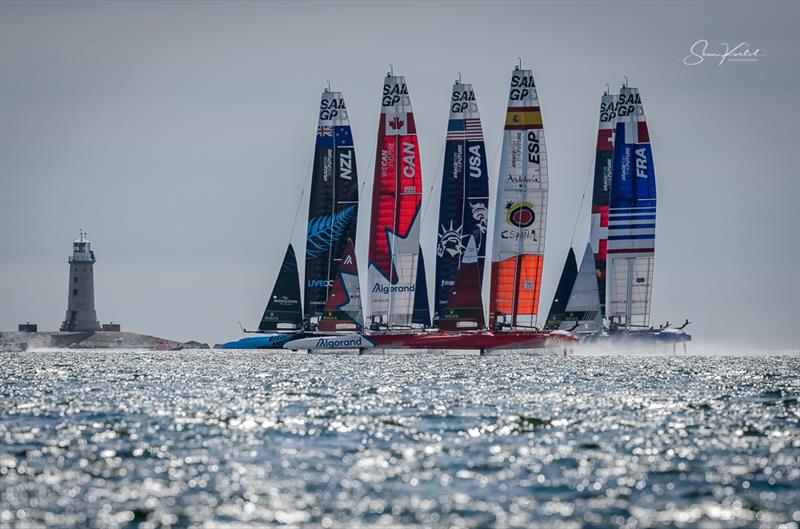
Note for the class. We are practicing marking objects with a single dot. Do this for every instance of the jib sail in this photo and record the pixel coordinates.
(563, 291)
(283, 310)
(422, 310)
(583, 307)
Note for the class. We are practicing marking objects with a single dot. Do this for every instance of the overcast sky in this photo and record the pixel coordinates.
(179, 136)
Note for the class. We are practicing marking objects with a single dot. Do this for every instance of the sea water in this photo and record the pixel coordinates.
(260, 438)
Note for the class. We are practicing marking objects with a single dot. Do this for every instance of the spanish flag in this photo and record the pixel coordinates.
(523, 118)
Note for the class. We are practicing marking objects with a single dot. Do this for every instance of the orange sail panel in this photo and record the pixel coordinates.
(520, 210)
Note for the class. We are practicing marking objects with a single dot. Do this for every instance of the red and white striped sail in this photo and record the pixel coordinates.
(520, 211)
(603, 160)
(396, 199)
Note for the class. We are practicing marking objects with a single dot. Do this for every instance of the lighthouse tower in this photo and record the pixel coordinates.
(81, 315)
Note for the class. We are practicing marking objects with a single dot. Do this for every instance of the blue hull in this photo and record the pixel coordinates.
(265, 341)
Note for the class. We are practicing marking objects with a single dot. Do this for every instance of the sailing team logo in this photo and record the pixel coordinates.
(520, 214)
(480, 213)
(325, 230)
(449, 241)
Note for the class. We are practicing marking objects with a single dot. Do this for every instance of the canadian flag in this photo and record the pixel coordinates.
(399, 123)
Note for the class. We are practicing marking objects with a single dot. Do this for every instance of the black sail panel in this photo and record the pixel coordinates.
(333, 202)
(564, 289)
(283, 310)
(422, 311)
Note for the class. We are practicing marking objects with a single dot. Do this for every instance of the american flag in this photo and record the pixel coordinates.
(464, 129)
(325, 131)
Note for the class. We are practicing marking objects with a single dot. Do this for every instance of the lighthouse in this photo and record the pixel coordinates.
(81, 315)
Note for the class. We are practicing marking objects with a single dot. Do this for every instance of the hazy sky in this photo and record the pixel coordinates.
(179, 135)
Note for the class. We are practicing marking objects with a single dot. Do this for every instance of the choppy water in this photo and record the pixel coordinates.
(253, 439)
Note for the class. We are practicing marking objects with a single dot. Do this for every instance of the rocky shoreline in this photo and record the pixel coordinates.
(21, 341)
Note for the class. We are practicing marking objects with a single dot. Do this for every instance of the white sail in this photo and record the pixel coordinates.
(583, 306)
(520, 209)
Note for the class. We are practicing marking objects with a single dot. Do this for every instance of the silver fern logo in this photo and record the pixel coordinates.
(324, 231)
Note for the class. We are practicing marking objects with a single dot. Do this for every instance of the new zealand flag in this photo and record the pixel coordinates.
(344, 138)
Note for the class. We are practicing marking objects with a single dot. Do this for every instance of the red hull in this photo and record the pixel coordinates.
(486, 340)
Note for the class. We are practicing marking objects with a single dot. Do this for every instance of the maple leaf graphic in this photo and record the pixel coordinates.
(396, 123)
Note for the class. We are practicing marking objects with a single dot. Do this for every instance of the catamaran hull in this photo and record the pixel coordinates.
(266, 341)
(634, 338)
(440, 340)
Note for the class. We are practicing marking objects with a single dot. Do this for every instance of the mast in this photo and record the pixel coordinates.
(632, 216)
(464, 196)
(521, 210)
(396, 200)
(333, 203)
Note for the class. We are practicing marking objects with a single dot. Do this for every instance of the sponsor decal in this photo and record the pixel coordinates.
(409, 157)
(533, 147)
(330, 108)
(346, 165)
(385, 289)
(449, 241)
(608, 111)
(520, 214)
(461, 100)
(628, 103)
(283, 300)
(475, 170)
(328, 343)
(392, 93)
(458, 160)
(520, 87)
(641, 162)
(319, 283)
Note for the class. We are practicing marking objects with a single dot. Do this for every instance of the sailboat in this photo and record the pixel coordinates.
(331, 289)
(283, 317)
(622, 239)
(394, 291)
